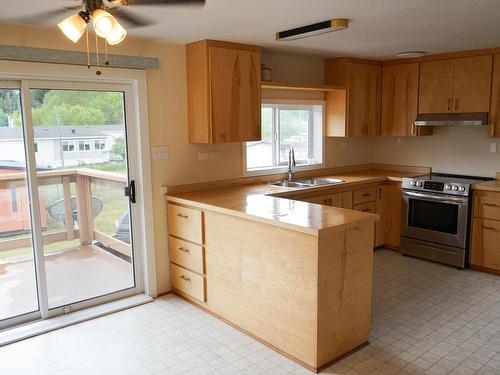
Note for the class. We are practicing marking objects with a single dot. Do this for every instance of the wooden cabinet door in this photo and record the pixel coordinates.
(485, 251)
(234, 94)
(435, 87)
(364, 98)
(494, 127)
(382, 212)
(399, 99)
(472, 84)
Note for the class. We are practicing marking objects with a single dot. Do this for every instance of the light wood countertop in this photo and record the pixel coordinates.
(276, 206)
(489, 185)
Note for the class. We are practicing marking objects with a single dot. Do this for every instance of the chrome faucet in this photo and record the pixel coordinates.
(291, 163)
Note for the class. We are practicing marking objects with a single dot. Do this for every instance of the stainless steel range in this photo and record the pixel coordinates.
(436, 217)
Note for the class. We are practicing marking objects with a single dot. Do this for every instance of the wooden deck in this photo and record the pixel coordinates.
(74, 275)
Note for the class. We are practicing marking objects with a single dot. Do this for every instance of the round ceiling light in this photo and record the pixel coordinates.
(410, 54)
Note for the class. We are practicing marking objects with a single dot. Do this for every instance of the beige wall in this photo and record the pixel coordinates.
(459, 149)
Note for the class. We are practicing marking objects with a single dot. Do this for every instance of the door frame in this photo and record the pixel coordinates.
(133, 83)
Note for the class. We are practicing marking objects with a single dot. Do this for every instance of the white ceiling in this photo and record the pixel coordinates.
(378, 28)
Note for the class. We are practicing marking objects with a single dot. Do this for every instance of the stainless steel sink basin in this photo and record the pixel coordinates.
(319, 181)
(286, 183)
(307, 182)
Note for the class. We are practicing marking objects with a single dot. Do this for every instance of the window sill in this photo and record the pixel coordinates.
(283, 169)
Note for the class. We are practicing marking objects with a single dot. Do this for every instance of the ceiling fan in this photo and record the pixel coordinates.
(104, 15)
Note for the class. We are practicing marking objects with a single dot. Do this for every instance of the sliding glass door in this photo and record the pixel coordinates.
(18, 287)
(65, 154)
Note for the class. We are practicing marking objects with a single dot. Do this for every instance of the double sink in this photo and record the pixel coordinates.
(307, 182)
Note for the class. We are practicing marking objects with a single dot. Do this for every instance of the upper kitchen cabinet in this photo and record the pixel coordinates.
(494, 127)
(363, 82)
(400, 101)
(455, 85)
(224, 92)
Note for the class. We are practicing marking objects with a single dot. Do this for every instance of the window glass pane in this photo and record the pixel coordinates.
(260, 154)
(294, 131)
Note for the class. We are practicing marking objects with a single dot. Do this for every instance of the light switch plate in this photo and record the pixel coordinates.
(493, 147)
(160, 153)
(203, 156)
(215, 155)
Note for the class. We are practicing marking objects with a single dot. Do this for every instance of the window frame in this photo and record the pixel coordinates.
(282, 167)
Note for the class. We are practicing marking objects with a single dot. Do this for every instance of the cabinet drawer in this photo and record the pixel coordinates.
(369, 207)
(487, 207)
(364, 195)
(185, 223)
(186, 254)
(187, 282)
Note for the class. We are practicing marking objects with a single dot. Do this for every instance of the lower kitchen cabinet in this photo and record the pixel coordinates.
(384, 200)
(485, 248)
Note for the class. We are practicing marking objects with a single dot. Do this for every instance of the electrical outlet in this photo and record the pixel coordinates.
(493, 147)
(160, 153)
(203, 156)
(215, 155)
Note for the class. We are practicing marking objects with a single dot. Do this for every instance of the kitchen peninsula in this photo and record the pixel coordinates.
(295, 275)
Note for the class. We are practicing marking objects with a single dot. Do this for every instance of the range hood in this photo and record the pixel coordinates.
(449, 119)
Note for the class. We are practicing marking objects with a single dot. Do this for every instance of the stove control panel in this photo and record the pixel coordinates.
(435, 186)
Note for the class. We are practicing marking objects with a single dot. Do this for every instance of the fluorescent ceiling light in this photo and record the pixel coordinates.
(410, 54)
(335, 24)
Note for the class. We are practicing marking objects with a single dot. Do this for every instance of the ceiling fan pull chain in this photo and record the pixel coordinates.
(106, 61)
(98, 72)
(88, 49)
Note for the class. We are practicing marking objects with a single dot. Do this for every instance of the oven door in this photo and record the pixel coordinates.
(435, 217)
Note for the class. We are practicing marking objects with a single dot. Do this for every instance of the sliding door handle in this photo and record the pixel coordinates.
(130, 191)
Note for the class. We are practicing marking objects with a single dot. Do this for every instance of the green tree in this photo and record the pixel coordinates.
(119, 147)
(67, 107)
(4, 118)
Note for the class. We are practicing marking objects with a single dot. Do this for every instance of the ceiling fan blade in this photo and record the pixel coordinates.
(129, 18)
(44, 16)
(159, 2)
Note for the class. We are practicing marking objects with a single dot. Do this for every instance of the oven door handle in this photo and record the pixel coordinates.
(436, 197)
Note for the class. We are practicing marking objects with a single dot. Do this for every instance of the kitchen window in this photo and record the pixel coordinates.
(286, 125)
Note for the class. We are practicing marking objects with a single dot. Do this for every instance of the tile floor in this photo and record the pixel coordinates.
(427, 319)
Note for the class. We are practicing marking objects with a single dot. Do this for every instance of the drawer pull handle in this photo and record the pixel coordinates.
(183, 249)
(366, 195)
(489, 204)
(182, 216)
(490, 228)
(185, 278)
(365, 210)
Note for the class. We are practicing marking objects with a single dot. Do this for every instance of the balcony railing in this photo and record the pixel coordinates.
(76, 184)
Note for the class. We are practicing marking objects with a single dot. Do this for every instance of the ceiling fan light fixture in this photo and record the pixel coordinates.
(74, 26)
(103, 22)
(116, 35)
